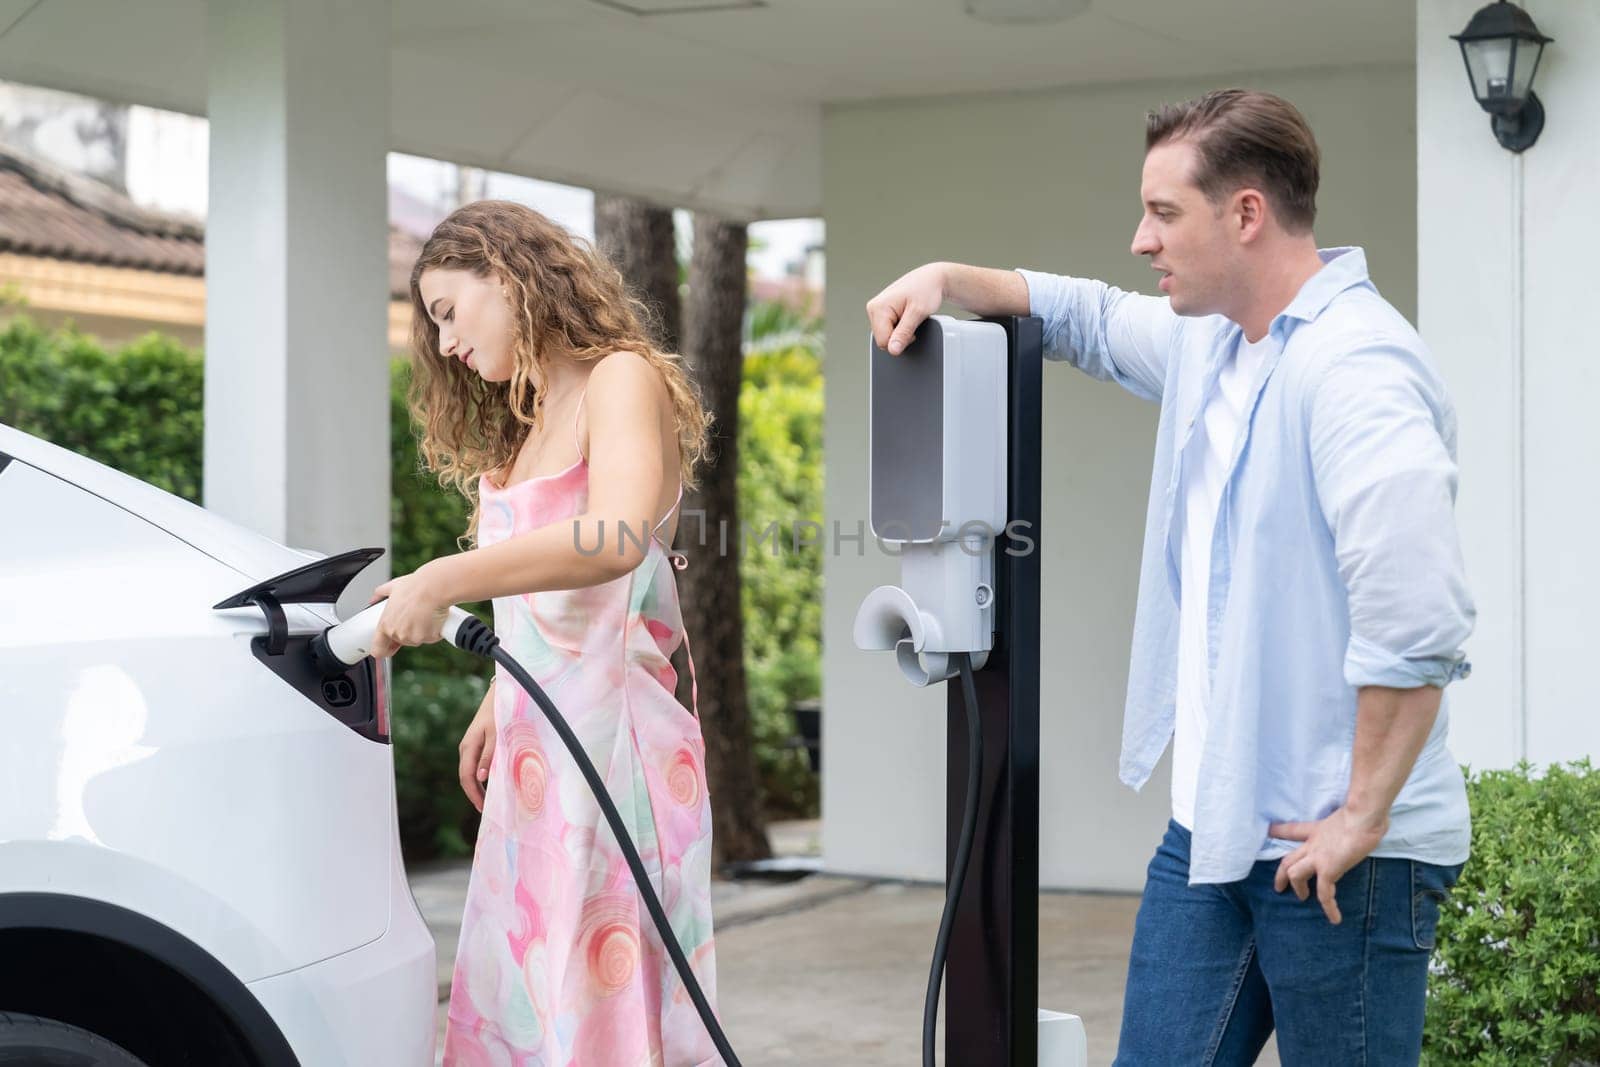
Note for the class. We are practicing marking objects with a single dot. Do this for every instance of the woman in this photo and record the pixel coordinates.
(542, 398)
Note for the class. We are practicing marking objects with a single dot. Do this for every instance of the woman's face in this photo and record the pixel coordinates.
(474, 320)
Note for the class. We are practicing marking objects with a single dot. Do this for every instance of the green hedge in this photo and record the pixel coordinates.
(139, 409)
(780, 482)
(139, 412)
(1516, 967)
(431, 710)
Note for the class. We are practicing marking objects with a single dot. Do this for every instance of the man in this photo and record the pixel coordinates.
(1301, 600)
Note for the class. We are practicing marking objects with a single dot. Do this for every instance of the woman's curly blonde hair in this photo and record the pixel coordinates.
(564, 297)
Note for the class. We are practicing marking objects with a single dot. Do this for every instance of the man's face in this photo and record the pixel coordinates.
(1186, 237)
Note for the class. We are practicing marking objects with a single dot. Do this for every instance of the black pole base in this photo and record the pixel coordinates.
(992, 969)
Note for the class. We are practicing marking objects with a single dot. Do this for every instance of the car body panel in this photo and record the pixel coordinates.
(151, 761)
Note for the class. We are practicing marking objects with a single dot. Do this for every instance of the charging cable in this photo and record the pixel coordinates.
(958, 870)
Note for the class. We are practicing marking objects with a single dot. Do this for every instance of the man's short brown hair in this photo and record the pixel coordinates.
(1244, 137)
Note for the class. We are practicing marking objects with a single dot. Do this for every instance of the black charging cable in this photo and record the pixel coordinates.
(477, 637)
(958, 872)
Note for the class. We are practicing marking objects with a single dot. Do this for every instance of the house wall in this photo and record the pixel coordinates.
(1505, 264)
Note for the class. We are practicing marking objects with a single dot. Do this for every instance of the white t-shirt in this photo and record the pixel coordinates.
(1205, 465)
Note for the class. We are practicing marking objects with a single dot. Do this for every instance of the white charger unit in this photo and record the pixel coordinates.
(937, 490)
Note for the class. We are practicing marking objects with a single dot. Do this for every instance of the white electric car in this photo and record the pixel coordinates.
(199, 858)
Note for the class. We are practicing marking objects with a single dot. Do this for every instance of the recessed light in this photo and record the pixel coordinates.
(648, 8)
(1022, 12)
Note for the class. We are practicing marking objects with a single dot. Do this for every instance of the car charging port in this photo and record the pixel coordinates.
(356, 695)
(339, 692)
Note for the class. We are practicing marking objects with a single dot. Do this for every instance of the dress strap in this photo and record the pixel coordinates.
(577, 413)
(680, 562)
(670, 510)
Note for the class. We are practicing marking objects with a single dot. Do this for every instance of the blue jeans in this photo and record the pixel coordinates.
(1216, 968)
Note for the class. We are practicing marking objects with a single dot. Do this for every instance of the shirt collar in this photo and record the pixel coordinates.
(1342, 268)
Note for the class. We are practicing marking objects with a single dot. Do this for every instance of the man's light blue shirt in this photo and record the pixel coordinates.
(1335, 562)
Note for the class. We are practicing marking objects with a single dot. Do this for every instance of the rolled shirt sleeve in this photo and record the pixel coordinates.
(1104, 331)
(1382, 440)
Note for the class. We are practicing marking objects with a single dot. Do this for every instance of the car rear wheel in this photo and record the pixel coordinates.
(35, 1042)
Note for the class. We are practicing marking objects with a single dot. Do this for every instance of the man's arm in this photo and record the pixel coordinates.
(1101, 330)
(1386, 484)
(985, 290)
(1391, 727)
(896, 312)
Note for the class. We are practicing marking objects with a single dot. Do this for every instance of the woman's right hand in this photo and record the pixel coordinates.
(477, 749)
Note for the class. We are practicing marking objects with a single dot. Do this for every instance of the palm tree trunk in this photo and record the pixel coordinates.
(637, 238)
(710, 592)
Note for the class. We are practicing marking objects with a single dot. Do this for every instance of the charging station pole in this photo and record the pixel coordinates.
(991, 1004)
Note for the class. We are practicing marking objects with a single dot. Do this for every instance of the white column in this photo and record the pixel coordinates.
(296, 392)
(1465, 311)
(1504, 284)
(1560, 231)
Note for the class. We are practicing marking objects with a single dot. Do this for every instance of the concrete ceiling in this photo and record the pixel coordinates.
(719, 109)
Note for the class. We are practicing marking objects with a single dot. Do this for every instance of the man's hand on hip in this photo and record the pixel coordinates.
(1332, 846)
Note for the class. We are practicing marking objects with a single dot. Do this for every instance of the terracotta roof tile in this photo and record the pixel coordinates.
(49, 212)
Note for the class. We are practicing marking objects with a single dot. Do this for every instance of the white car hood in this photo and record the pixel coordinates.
(254, 556)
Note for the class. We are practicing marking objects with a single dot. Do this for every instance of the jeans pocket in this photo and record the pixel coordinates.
(1430, 888)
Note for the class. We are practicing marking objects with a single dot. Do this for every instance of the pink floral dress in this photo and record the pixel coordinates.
(559, 964)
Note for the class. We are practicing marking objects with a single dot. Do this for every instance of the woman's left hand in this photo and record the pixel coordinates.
(414, 614)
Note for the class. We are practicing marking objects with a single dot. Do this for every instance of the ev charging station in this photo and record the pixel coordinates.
(954, 482)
